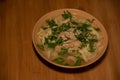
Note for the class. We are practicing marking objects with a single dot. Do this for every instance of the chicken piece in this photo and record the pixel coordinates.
(57, 48)
(70, 34)
(72, 44)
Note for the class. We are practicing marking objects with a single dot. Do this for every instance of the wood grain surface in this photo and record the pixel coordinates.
(19, 60)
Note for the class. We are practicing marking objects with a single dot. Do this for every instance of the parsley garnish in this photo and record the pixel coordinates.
(40, 46)
(61, 28)
(49, 44)
(51, 23)
(52, 41)
(58, 60)
(74, 22)
(85, 36)
(79, 61)
(67, 15)
(90, 20)
(63, 51)
(91, 44)
(96, 28)
(59, 41)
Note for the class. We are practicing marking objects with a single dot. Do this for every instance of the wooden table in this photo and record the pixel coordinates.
(18, 59)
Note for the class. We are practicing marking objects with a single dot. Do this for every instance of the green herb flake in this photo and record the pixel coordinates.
(49, 44)
(65, 26)
(61, 28)
(74, 22)
(52, 37)
(67, 15)
(56, 31)
(51, 23)
(91, 44)
(59, 41)
(85, 26)
(97, 29)
(82, 45)
(40, 46)
(58, 60)
(63, 51)
(81, 38)
(90, 20)
(79, 61)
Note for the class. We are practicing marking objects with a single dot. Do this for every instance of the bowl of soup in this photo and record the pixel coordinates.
(69, 38)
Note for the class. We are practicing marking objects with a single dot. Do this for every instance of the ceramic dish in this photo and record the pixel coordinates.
(69, 38)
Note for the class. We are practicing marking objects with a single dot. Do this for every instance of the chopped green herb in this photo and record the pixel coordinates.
(58, 60)
(81, 38)
(85, 34)
(74, 22)
(51, 41)
(85, 25)
(91, 44)
(79, 61)
(46, 41)
(49, 44)
(52, 37)
(63, 51)
(56, 31)
(65, 26)
(51, 23)
(40, 46)
(97, 29)
(61, 28)
(83, 28)
(67, 15)
(60, 41)
(90, 20)
(82, 45)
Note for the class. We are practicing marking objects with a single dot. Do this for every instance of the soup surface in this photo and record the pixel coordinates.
(69, 40)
